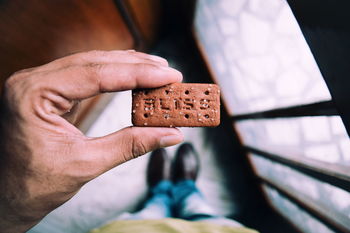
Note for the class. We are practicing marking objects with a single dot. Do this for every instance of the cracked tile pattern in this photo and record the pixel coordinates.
(258, 54)
(320, 138)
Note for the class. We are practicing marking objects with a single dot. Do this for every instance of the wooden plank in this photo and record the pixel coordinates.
(334, 174)
(36, 32)
(332, 219)
(324, 108)
(146, 15)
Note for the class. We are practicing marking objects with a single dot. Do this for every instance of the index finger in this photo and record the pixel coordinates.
(81, 81)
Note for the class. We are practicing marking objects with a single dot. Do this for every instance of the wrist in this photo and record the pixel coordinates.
(15, 215)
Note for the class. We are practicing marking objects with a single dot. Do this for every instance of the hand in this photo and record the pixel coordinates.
(45, 160)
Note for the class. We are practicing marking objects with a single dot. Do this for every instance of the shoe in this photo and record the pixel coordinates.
(159, 166)
(186, 163)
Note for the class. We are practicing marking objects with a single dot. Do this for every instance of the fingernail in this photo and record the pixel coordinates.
(170, 140)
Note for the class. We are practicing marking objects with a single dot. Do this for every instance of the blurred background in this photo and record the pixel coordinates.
(279, 161)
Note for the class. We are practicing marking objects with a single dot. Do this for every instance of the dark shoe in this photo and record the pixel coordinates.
(159, 166)
(186, 163)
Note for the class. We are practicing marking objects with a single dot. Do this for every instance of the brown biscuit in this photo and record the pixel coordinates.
(176, 105)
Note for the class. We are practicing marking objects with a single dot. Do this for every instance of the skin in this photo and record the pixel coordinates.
(44, 158)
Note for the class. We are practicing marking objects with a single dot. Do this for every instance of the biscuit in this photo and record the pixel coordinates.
(177, 105)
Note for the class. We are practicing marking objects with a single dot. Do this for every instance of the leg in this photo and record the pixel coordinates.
(157, 206)
(189, 203)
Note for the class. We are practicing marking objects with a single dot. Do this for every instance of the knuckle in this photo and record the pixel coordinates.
(19, 72)
(20, 92)
(131, 51)
(138, 145)
(86, 57)
(93, 70)
(95, 53)
(138, 54)
(13, 80)
(138, 148)
(20, 78)
(14, 85)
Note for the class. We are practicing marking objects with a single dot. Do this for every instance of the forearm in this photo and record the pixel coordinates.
(12, 186)
(13, 217)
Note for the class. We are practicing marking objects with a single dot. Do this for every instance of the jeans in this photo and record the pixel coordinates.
(181, 200)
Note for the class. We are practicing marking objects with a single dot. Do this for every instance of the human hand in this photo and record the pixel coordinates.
(44, 159)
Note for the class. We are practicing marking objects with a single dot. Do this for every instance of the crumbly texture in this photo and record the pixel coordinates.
(177, 105)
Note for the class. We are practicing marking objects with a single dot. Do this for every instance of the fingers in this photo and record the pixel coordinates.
(108, 57)
(128, 56)
(80, 82)
(100, 57)
(128, 143)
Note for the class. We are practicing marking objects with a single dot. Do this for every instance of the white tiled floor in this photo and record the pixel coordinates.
(258, 54)
(124, 187)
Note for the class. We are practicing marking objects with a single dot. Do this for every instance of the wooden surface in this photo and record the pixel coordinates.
(36, 32)
(146, 16)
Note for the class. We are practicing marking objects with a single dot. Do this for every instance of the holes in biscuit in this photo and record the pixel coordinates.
(146, 115)
(206, 92)
(206, 116)
(167, 92)
(187, 116)
(187, 92)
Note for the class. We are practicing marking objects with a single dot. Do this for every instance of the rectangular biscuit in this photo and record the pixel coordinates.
(177, 105)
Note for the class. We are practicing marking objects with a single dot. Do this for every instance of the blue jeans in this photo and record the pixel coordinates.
(181, 200)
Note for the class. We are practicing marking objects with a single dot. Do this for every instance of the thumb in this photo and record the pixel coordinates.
(129, 143)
